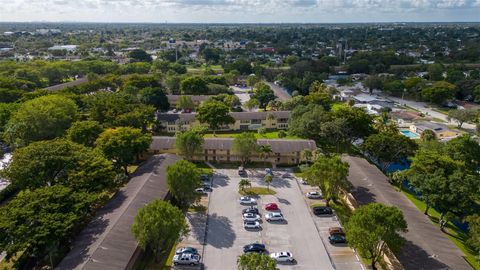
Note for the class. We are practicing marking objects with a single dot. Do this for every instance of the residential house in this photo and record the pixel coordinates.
(442, 131)
(107, 242)
(243, 121)
(220, 150)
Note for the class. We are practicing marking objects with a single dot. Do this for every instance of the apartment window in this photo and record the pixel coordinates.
(245, 121)
(256, 121)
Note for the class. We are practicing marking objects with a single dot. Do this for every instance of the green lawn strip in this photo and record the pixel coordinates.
(457, 236)
(268, 135)
(148, 262)
(256, 191)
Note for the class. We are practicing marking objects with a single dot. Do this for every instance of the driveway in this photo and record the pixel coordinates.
(427, 248)
(299, 234)
(280, 92)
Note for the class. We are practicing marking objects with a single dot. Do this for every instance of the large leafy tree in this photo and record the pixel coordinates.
(464, 148)
(305, 121)
(255, 261)
(462, 116)
(84, 132)
(215, 114)
(183, 178)
(140, 56)
(263, 93)
(374, 227)
(189, 143)
(123, 145)
(245, 145)
(330, 175)
(42, 118)
(474, 233)
(60, 162)
(157, 226)
(194, 86)
(387, 148)
(155, 97)
(185, 103)
(38, 222)
(439, 92)
(359, 122)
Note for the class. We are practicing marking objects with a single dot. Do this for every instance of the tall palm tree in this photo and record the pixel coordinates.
(268, 180)
(265, 151)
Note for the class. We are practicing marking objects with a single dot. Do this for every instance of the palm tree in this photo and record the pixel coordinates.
(265, 151)
(244, 183)
(268, 180)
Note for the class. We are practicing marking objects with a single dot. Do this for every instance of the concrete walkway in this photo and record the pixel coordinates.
(427, 248)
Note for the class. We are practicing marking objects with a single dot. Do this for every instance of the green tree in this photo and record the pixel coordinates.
(39, 222)
(157, 226)
(84, 132)
(140, 56)
(305, 121)
(435, 72)
(62, 162)
(428, 135)
(245, 145)
(252, 104)
(373, 82)
(189, 143)
(387, 148)
(265, 150)
(252, 79)
(464, 148)
(255, 261)
(244, 183)
(194, 86)
(330, 175)
(155, 97)
(474, 234)
(439, 92)
(462, 116)
(268, 180)
(215, 114)
(123, 145)
(42, 118)
(263, 93)
(185, 103)
(139, 116)
(183, 178)
(374, 227)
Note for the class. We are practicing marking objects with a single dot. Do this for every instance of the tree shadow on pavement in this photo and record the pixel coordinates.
(363, 195)
(220, 180)
(414, 257)
(220, 232)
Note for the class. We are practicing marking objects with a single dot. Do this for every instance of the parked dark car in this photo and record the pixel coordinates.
(255, 247)
(205, 177)
(241, 171)
(322, 210)
(336, 230)
(337, 238)
(252, 210)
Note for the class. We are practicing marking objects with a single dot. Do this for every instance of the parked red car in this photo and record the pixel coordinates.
(271, 207)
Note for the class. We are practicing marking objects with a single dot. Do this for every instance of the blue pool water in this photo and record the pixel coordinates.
(409, 134)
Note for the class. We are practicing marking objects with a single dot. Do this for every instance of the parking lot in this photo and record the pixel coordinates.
(302, 234)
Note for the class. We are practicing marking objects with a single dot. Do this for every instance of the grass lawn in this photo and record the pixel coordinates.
(132, 168)
(268, 135)
(457, 236)
(256, 191)
(149, 263)
(197, 208)
(342, 211)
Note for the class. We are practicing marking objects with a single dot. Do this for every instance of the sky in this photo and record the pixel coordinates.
(241, 11)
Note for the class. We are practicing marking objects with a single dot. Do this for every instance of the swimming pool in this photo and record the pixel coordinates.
(409, 134)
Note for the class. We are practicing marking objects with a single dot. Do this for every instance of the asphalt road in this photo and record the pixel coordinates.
(426, 248)
(299, 235)
(281, 93)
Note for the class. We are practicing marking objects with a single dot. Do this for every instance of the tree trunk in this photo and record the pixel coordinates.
(125, 168)
(157, 255)
(327, 201)
(426, 209)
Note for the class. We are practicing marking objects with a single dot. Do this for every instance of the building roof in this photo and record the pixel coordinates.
(197, 98)
(107, 242)
(170, 117)
(278, 145)
(431, 125)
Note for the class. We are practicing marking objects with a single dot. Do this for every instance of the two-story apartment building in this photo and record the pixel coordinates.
(220, 150)
(172, 123)
(196, 99)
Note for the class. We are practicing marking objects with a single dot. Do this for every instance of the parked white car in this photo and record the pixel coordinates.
(283, 256)
(247, 200)
(314, 195)
(251, 217)
(186, 259)
(251, 225)
(274, 216)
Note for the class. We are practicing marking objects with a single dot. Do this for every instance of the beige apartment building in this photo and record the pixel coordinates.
(172, 123)
(220, 150)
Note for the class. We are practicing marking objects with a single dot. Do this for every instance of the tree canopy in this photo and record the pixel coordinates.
(84, 132)
(215, 114)
(255, 261)
(183, 178)
(189, 143)
(373, 227)
(244, 145)
(158, 225)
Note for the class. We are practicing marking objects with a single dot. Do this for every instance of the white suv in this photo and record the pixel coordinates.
(274, 216)
(283, 256)
(186, 259)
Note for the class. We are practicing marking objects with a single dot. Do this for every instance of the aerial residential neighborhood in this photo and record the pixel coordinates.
(249, 135)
